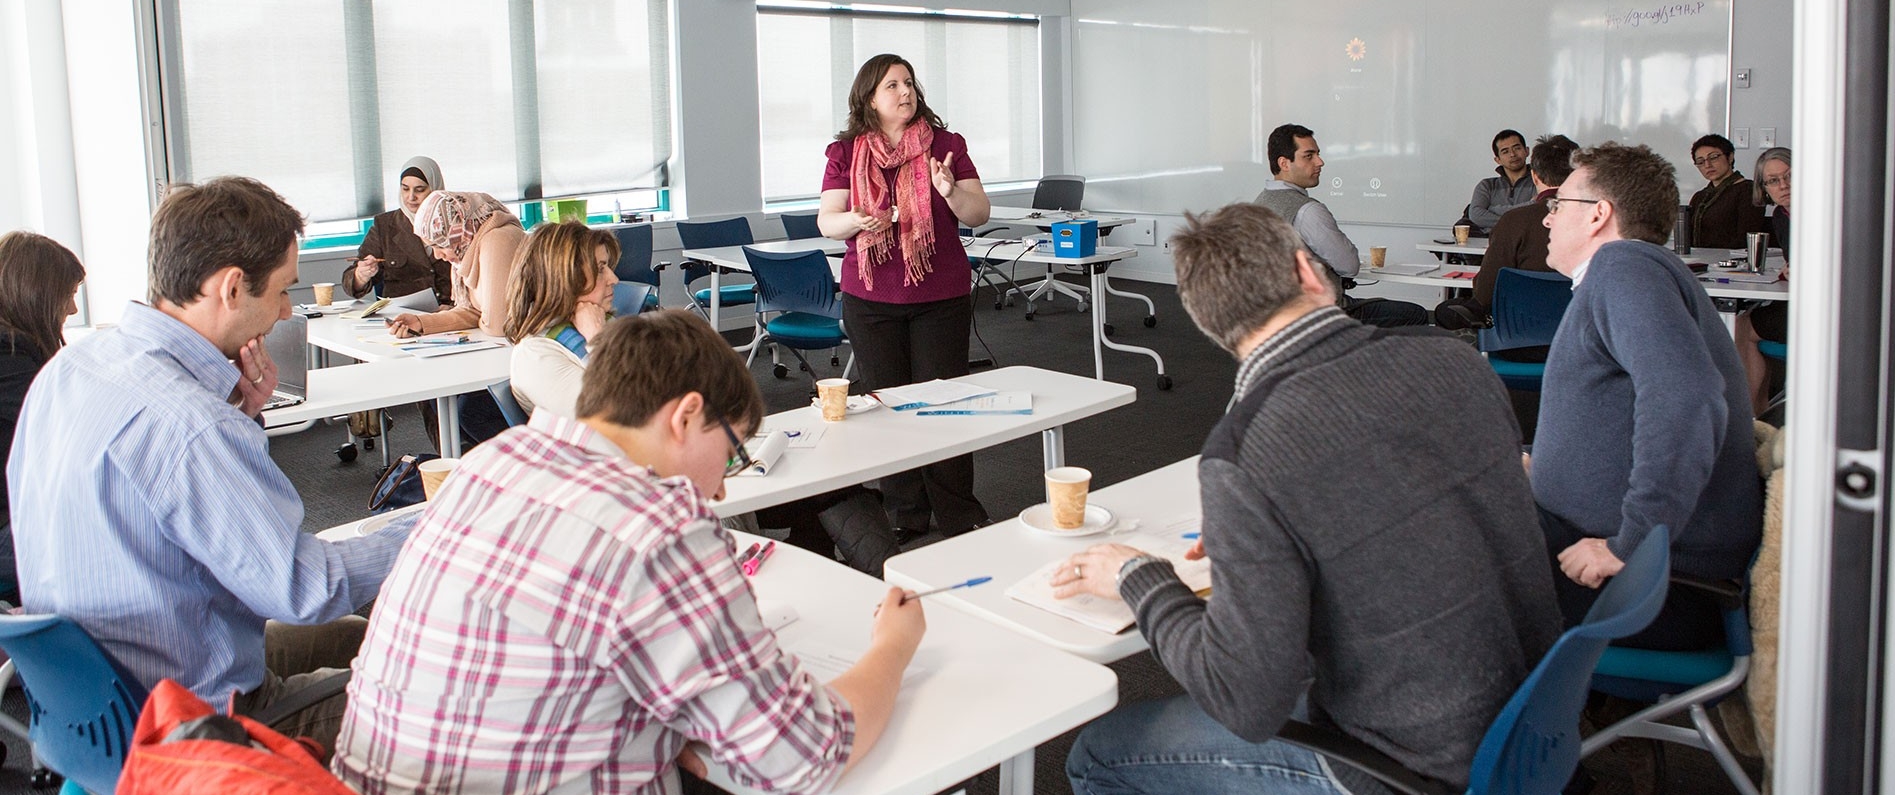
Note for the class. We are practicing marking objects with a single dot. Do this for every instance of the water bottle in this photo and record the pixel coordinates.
(1681, 232)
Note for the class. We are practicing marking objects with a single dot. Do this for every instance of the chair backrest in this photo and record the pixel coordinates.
(1533, 744)
(712, 234)
(631, 298)
(1059, 192)
(794, 282)
(510, 408)
(1528, 306)
(84, 705)
(634, 263)
(800, 226)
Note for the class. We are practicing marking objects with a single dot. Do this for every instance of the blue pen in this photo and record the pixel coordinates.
(969, 584)
(1192, 536)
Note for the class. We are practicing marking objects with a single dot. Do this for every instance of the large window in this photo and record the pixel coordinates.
(981, 74)
(324, 101)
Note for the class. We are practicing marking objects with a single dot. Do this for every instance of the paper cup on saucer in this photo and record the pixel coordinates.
(1066, 489)
(434, 472)
(1378, 256)
(325, 293)
(1461, 231)
(833, 395)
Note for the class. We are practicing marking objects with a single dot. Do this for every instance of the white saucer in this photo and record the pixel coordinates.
(857, 403)
(374, 523)
(1040, 518)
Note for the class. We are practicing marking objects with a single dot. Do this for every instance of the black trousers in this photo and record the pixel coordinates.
(898, 344)
(1689, 621)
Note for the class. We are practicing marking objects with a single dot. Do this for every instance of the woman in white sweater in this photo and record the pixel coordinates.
(556, 303)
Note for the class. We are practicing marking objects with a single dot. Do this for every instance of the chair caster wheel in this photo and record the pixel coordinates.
(368, 443)
(780, 371)
(1164, 383)
(346, 453)
(1151, 321)
(1109, 330)
(1085, 307)
(1029, 315)
(835, 361)
(45, 778)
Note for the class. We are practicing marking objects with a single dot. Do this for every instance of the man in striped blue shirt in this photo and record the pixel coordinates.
(147, 508)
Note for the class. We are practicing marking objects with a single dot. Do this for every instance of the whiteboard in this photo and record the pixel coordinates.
(1173, 101)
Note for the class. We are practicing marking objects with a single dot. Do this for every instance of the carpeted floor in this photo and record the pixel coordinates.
(1157, 429)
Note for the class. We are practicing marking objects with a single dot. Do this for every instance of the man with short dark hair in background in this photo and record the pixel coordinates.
(1297, 163)
(1338, 543)
(146, 506)
(1518, 241)
(1645, 410)
(1508, 188)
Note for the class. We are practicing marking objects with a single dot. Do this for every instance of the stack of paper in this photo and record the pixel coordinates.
(929, 393)
(765, 451)
(1109, 615)
(997, 403)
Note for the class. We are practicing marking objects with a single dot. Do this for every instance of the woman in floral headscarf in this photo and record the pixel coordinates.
(475, 232)
(897, 188)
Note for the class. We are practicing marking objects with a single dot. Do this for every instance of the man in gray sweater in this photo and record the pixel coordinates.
(1360, 584)
(1645, 411)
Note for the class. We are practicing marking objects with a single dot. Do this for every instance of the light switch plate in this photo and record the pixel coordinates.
(1766, 137)
(1740, 137)
(1743, 77)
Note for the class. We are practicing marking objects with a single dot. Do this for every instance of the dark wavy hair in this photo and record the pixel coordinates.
(862, 115)
(37, 278)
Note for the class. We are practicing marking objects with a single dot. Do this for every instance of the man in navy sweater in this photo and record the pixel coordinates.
(1645, 413)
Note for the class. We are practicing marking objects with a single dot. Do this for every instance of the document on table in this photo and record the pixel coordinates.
(929, 393)
(1113, 615)
(826, 662)
(422, 301)
(997, 403)
(1399, 270)
(448, 349)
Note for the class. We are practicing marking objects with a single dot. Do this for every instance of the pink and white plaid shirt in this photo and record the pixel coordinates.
(563, 621)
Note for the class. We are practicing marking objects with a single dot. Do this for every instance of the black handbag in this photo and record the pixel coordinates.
(400, 484)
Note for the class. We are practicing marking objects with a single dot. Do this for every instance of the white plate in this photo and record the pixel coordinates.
(857, 403)
(1040, 518)
(335, 308)
(374, 523)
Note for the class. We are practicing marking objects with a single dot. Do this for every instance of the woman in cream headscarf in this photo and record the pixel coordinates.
(475, 232)
(392, 262)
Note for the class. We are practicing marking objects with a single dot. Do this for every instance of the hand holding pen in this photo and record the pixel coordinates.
(405, 325)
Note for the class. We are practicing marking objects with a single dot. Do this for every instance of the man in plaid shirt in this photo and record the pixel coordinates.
(568, 614)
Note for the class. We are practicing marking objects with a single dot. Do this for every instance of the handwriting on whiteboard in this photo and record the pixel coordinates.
(1660, 15)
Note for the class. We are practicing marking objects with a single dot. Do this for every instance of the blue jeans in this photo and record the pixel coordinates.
(1170, 745)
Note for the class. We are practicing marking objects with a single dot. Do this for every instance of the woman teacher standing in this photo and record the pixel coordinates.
(393, 262)
(898, 188)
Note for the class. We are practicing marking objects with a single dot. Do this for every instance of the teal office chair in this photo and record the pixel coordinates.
(1781, 353)
(1688, 682)
(1528, 306)
(510, 408)
(799, 289)
(83, 705)
(715, 234)
(1533, 744)
(800, 226)
(634, 268)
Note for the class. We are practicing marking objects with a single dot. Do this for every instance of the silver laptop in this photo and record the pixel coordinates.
(288, 346)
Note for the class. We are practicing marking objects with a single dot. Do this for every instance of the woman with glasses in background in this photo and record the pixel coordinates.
(1770, 321)
(1722, 212)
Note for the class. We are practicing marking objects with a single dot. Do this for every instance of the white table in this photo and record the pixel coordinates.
(1009, 551)
(882, 441)
(1095, 266)
(723, 258)
(1043, 220)
(982, 696)
(1475, 246)
(1773, 291)
(398, 377)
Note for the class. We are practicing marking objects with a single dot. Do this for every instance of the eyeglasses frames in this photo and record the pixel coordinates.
(1552, 205)
(739, 457)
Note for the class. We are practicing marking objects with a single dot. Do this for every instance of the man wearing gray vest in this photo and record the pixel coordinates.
(1297, 163)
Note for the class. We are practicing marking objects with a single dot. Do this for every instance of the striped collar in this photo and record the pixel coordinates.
(1294, 336)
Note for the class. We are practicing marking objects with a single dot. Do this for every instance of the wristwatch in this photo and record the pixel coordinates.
(1131, 564)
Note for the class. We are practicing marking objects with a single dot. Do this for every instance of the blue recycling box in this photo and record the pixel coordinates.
(1076, 238)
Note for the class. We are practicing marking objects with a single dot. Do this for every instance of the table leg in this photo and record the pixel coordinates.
(1053, 446)
(1016, 774)
(1098, 332)
(447, 410)
(717, 295)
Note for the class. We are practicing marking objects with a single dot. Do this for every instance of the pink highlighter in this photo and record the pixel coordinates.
(755, 563)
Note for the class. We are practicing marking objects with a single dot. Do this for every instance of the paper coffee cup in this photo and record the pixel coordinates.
(1461, 231)
(434, 472)
(834, 395)
(1378, 256)
(1066, 489)
(325, 293)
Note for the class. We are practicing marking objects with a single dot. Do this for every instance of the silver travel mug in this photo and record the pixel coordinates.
(1755, 245)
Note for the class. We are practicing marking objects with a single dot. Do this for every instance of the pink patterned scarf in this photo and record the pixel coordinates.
(449, 219)
(912, 205)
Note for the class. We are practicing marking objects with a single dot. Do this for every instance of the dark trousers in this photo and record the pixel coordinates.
(1383, 312)
(898, 344)
(1689, 621)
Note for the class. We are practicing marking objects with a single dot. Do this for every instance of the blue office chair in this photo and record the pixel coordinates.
(713, 234)
(83, 704)
(1533, 744)
(1528, 306)
(633, 298)
(799, 287)
(510, 408)
(634, 265)
(800, 226)
(1675, 682)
